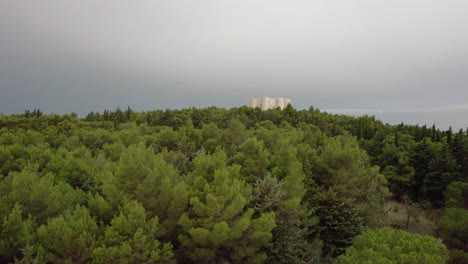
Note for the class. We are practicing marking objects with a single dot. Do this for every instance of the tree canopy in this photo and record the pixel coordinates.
(216, 185)
(394, 246)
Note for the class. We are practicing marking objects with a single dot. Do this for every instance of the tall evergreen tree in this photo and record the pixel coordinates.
(218, 226)
(68, 238)
(132, 238)
(460, 152)
(150, 180)
(339, 223)
(234, 136)
(385, 246)
(211, 137)
(16, 234)
(253, 159)
(295, 221)
(420, 159)
(443, 169)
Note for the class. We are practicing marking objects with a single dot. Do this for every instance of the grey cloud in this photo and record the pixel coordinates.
(362, 54)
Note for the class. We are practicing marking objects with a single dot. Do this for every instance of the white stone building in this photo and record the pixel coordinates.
(266, 103)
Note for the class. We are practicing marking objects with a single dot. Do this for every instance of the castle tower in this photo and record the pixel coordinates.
(266, 103)
(280, 102)
(254, 103)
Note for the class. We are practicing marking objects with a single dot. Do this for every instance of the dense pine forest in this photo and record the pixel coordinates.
(230, 186)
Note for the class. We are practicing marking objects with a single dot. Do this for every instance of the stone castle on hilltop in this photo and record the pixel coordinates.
(266, 103)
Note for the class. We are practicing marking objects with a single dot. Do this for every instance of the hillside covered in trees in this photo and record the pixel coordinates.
(227, 186)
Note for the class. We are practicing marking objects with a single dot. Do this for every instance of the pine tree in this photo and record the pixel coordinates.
(344, 168)
(449, 137)
(234, 136)
(41, 197)
(456, 195)
(294, 221)
(253, 159)
(394, 246)
(443, 169)
(420, 159)
(268, 194)
(460, 152)
(190, 139)
(16, 234)
(211, 137)
(218, 226)
(150, 180)
(132, 238)
(68, 238)
(339, 223)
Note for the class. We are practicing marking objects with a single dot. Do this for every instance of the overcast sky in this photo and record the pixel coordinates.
(350, 56)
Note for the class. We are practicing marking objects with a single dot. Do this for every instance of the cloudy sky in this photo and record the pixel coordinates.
(395, 59)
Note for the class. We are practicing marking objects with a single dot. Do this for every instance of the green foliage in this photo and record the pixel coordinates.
(234, 136)
(339, 223)
(460, 152)
(168, 138)
(290, 242)
(16, 234)
(100, 208)
(12, 158)
(253, 159)
(421, 157)
(456, 195)
(96, 139)
(344, 168)
(211, 137)
(190, 138)
(68, 238)
(294, 221)
(394, 246)
(442, 170)
(453, 228)
(74, 167)
(150, 180)
(287, 167)
(458, 257)
(236, 185)
(217, 227)
(131, 238)
(40, 196)
(268, 194)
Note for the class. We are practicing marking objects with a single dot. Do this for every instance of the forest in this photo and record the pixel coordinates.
(238, 185)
